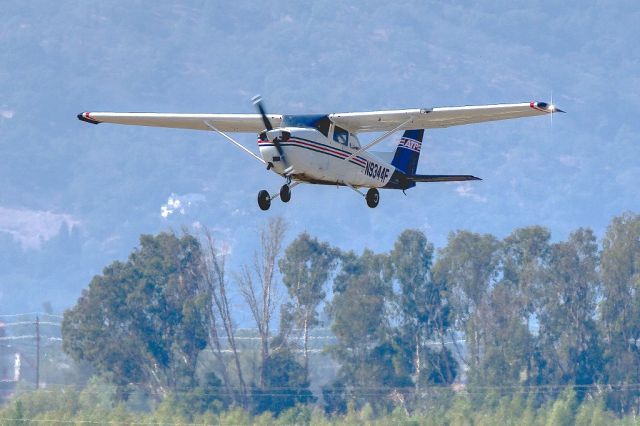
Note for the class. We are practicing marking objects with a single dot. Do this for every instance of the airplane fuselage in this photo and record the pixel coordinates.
(310, 156)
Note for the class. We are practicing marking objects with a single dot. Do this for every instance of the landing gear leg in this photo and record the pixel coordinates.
(373, 197)
(285, 193)
(264, 200)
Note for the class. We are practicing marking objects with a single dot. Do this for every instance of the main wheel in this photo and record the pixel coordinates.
(285, 193)
(264, 200)
(373, 197)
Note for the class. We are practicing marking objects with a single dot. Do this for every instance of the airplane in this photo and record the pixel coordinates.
(324, 148)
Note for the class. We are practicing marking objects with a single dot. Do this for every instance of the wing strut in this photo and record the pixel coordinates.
(379, 139)
(238, 144)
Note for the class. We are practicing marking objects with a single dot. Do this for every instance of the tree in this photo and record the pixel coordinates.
(306, 267)
(261, 301)
(143, 321)
(468, 267)
(524, 258)
(567, 315)
(359, 309)
(422, 306)
(285, 383)
(620, 309)
(215, 284)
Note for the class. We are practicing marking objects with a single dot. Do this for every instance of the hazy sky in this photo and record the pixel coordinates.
(110, 183)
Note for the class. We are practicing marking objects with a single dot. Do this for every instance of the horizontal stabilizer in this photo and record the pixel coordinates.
(440, 178)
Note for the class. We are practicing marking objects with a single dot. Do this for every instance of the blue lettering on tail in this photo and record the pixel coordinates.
(408, 151)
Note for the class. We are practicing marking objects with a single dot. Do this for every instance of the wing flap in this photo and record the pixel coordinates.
(251, 123)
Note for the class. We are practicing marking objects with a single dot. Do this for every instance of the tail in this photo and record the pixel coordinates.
(408, 151)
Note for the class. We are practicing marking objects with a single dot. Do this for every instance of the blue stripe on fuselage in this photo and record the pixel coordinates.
(321, 148)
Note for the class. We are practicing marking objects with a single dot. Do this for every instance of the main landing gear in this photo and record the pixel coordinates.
(264, 199)
(373, 197)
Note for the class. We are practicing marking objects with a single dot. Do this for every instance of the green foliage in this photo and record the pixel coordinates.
(536, 317)
(620, 308)
(285, 384)
(143, 321)
(460, 410)
(568, 336)
(423, 310)
(563, 409)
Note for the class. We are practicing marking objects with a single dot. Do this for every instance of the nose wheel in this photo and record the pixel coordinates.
(285, 193)
(264, 199)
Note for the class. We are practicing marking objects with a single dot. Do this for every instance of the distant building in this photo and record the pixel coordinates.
(10, 363)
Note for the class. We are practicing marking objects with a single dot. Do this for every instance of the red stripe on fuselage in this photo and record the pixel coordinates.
(315, 145)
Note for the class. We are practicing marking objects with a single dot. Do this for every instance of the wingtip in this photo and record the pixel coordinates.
(85, 116)
(545, 107)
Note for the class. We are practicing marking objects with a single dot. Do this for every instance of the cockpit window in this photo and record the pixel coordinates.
(341, 136)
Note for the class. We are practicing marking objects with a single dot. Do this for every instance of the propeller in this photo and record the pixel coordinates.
(257, 101)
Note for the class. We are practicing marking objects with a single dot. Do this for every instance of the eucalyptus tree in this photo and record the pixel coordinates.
(258, 284)
(568, 335)
(306, 267)
(620, 310)
(423, 308)
(525, 255)
(360, 320)
(468, 267)
(215, 285)
(143, 321)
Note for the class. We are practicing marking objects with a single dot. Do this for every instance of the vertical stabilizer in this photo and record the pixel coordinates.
(408, 151)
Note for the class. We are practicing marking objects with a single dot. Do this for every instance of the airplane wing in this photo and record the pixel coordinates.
(377, 121)
(251, 123)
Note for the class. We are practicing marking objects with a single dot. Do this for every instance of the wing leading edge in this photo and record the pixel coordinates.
(439, 117)
(356, 122)
(250, 123)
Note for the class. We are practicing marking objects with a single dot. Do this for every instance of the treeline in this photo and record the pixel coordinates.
(482, 321)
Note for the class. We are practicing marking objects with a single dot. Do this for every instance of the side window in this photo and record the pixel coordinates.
(353, 141)
(341, 136)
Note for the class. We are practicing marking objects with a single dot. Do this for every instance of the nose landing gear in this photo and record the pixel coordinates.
(285, 193)
(264, 199)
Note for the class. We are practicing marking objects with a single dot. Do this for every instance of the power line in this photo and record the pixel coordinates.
(8, 324)
(42, 314)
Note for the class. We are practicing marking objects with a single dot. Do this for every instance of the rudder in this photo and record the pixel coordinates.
(408, 151)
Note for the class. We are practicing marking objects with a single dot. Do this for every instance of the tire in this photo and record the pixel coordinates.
(264, 200)
(373, 197)
(285, 193)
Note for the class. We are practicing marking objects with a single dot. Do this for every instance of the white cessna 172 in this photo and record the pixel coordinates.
(324, 148)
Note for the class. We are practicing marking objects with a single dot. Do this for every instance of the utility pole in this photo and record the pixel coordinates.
(37, 352)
